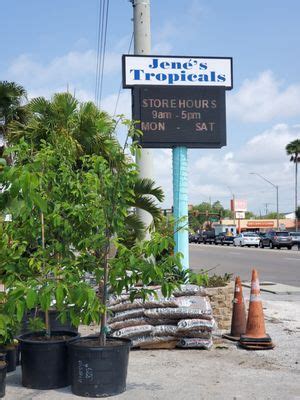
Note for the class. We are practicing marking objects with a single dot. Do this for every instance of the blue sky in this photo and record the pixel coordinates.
(50, 45)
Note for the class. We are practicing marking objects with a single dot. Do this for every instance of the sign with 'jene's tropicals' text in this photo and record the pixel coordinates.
(177, 71)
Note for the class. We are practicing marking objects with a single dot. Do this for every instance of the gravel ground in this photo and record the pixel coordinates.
(224, 372)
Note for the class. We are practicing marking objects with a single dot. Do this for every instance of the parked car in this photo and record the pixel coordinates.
(276, 239)
(208, 237)
(195, 238)
(295, 237)
(246, 239)
(192, 238)
(222, 239)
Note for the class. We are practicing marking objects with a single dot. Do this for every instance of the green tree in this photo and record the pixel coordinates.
(12, 97)
(69, 217)
(293, 150)
(92, 132)
(202, 214)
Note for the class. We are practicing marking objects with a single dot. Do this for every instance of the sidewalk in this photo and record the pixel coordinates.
(225, 372)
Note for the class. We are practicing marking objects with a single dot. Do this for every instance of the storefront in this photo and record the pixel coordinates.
(260, 225)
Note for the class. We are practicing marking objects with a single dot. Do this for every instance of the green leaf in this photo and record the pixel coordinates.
(45, 300)
(31, 298)
(20, 310)
(59, 295)
(39, 202)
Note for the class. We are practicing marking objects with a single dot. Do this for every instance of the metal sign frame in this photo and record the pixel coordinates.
(228, 86)
(178, 132)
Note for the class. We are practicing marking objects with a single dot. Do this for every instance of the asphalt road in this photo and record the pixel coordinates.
(280, 266)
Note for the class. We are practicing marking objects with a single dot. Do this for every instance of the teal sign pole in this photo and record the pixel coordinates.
(180, 203)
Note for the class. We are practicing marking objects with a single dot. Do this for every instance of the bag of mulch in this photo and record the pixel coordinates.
(199, 333)
(195, 343)
(136, 342)
(194, 302)
(129, 314)
(113, 300)
(128, 322)
(126, 305)
(186, 325)
(190, 290)
(158, 321)
(133, 331)
(178, 313)
(164, 330)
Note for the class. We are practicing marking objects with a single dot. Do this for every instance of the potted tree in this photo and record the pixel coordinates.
(8, 330)
(38, 264)
(70, 212)
(99, 363)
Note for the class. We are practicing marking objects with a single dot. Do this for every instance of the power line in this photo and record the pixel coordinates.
(120, 88)
(101, 48)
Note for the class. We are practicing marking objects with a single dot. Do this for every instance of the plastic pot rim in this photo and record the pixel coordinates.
(77, 343)
(24, 337)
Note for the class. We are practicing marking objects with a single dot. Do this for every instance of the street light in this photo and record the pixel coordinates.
(276, 187)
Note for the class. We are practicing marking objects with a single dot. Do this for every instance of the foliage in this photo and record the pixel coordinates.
(293, 150)
(69, 213)
(147, 263)
(83, 124)
(202, 214)
(89, 131)
(273, 215)
(12, 96)
(218, 280)
(46, 197)
(8, 324)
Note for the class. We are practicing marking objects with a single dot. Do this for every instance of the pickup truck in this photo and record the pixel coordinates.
(222, 239)
(208, 237)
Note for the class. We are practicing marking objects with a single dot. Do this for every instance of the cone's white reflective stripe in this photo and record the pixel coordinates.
(255, 284)
(255, 297)
(237, 290)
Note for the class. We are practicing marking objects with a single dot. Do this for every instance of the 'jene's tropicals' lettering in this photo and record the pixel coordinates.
(192, 71)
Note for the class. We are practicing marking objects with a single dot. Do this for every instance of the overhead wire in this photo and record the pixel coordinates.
(101, 48)
(120, 88)
(98, 49)
(103, 53)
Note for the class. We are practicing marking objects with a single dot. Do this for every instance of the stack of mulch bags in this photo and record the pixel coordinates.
(184, 320)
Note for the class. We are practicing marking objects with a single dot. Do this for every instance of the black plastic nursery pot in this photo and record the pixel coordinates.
(98, 371)
(11, 356)
(45, 363)
(54, 320)
(2, 374)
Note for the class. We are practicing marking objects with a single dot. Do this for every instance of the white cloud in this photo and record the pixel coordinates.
(112, 105)
(74, 71)
(263, 99)
(218, 172)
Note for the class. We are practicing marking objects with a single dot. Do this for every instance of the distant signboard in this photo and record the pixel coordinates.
(177, 71)
(240, 214)
(238, 205)
(260, 224)
(180, 116)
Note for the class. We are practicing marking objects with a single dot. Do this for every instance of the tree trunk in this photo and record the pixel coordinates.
(103, 327)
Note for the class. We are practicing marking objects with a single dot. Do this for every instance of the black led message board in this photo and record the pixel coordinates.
(194, 117)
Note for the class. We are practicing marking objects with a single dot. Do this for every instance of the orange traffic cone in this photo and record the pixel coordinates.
(255, 337)
(238, 321)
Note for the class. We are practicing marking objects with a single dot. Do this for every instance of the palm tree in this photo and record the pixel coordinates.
(12, 97)
(88, 128)
(90, 131)
(146, 196)
(293, 150)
